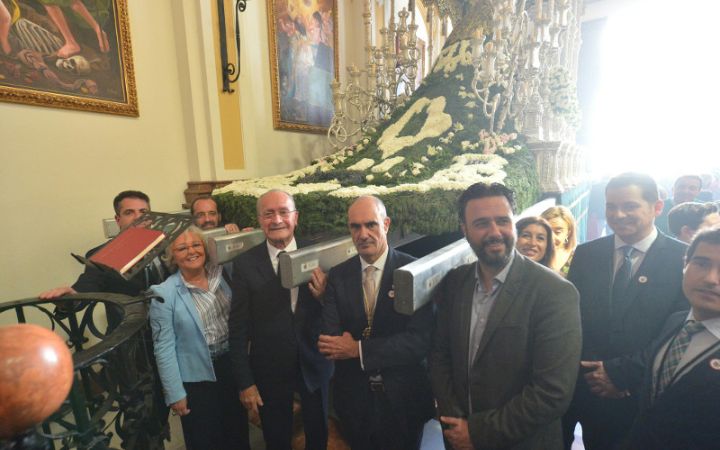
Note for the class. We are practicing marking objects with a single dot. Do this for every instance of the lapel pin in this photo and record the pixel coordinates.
(642, 279)
(715, 364)
(391, 293)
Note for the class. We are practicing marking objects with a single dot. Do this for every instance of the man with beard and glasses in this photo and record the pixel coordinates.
(629, 284)
(507, 344)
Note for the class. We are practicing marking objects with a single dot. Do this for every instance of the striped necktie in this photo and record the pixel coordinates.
(623, 275)
(674, 355)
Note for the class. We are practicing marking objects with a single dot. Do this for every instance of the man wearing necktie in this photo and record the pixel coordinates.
(629, 284)
(381, 389)
(274, 332)
(680, 393)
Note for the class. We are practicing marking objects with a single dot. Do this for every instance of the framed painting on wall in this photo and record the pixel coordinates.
(73, 54)
(303, 62)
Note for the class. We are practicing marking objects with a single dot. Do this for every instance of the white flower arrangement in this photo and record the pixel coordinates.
(464, 170)
(432, 151)
(467, 145)
(563, 95)
(447, 139)
(452, 56)
(493, 143)
(388, 164)
(437, 122)
(424, 159)
(362, 165)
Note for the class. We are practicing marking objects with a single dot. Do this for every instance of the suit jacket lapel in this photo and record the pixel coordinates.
(354, 290)
(503, 302)
(647, 270)
(465, 313)
(186, 299)
(384, 303)
(264, 265)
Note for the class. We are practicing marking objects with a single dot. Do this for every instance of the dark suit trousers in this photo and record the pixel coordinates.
(605, 422)
(382, 427)
(217, 419)
(277, 417)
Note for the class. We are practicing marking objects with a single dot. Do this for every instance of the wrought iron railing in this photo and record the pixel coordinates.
(116, 390)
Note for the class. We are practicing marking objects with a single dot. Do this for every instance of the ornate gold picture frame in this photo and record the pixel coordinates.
(73, 54)
(303, 43)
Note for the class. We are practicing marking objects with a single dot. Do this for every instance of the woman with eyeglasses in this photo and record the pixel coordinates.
(190, 333)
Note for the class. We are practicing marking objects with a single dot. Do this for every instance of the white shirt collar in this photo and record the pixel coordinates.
(379, 263)
(712, 325)
(642, 245)
(273, 251)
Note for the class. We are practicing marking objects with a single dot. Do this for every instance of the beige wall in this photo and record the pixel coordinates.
(60, 169)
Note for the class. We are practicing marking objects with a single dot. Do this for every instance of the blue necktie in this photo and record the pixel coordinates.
(622, 276)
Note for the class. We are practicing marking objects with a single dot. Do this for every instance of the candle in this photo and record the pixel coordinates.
(551, 9)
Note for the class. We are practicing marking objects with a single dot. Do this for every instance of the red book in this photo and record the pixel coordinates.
(127, 248)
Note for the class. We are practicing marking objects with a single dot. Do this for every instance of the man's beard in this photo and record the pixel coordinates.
(497, 260)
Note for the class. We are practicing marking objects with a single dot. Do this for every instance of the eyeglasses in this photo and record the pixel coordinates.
(183, 249)
(270, 214)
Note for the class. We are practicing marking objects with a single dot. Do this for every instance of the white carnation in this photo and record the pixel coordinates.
(362, 165)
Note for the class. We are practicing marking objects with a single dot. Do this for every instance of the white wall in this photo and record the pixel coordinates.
(60, 169)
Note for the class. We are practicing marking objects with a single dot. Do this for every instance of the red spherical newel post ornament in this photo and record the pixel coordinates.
(36, 373)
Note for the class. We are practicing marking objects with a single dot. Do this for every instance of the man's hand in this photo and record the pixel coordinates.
(250, 398)
(180, 408)
(599, 381)
(339, 347)
(231, 228)
(457, 433)
(317, 283)
(57, 292)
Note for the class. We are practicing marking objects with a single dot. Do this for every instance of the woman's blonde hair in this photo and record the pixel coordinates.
(167, 257)
(564, 213)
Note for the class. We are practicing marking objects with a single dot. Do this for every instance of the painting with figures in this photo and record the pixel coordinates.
(67, 53)
(303, 62)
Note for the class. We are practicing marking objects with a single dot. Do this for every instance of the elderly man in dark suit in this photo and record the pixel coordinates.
(274, 332)
(681, 387)
(381, 390)
(507, 344)
(629, 284)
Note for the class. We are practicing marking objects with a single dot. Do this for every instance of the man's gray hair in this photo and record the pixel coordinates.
(379, 205)
(257, 204)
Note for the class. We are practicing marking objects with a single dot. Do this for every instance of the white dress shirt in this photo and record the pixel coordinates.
(379, 265)
(274, 252)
